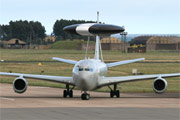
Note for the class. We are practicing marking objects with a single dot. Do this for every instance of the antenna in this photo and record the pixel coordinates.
(86, 55)
(96, 56)
(97, 16)
(101, 52)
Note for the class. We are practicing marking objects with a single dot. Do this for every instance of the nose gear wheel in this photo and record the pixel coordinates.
(85, 96)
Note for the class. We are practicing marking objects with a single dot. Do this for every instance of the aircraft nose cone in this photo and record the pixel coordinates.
(83, 77)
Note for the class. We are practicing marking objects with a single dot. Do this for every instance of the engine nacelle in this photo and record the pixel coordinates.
(20, 85)
(160, 85)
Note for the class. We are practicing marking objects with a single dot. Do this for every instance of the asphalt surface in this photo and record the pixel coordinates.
(77, 113)
(44, 103)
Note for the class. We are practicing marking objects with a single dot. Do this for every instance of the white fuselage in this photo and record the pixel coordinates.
(88, 72)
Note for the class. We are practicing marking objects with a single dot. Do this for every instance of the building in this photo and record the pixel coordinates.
(14, 44)
(163, 43)
(140, 40)
(108, 43)
(112, 43)
(152, 43)
(50, 39)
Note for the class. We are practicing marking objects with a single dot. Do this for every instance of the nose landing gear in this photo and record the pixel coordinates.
(114, 92)
(68, 92)
(85, 96)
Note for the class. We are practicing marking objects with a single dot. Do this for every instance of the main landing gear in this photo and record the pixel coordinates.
(85, 96)
(114, 92)
(68, 92)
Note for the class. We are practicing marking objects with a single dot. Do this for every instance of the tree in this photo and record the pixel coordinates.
(60, 24)
(29, 32)
(4, 32)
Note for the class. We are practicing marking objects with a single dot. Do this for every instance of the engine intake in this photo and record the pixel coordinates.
(160, 85)
(20, 85)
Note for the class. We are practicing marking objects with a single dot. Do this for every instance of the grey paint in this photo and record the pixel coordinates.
(77, 113)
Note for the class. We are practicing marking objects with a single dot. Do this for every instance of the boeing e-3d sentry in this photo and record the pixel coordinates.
(90, 74)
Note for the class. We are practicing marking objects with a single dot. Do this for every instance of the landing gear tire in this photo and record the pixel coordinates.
(112, 94)
(65, 94)
(117, 94)
(82, 96)
(85, 96)
(70, 93)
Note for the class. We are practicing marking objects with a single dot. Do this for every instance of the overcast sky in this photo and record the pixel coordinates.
(138, 16)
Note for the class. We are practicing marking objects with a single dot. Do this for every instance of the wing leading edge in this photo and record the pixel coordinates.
(112, 80)
(124, 62)
(65, 60)
(60, 79)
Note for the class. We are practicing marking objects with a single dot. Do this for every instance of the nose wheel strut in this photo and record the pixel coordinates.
(68, 91)
(114, 92)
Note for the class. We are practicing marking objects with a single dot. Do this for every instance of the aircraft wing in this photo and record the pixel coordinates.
(112, 80)
(123, 62)
(60, 79)
(65, 60)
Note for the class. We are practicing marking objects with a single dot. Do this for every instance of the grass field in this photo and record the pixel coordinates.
(63, 69)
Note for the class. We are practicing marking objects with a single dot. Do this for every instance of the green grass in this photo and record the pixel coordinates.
(67, 45)
(63, 69)
(42, 55)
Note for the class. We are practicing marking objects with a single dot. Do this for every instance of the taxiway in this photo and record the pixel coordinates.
(46, 103)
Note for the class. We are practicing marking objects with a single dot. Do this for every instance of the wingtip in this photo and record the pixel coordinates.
(141, 58)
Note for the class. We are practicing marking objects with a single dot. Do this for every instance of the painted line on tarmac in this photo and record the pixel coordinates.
(40, 87)
(7, 99)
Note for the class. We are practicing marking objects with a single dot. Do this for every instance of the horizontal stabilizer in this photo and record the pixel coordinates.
(123, 62)
(65, 60)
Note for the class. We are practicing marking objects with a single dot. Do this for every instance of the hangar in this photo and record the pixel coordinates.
(163, 43)
(14, 43)
(112, 43)
(107, 43)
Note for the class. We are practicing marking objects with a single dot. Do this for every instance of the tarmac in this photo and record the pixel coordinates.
(45, 103)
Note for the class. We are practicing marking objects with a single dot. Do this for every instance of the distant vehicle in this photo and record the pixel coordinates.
(90, 74)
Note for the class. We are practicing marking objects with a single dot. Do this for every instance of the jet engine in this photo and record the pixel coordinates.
(20, 85)
(160, 85)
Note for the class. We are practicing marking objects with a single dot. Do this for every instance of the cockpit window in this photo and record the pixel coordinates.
(86, 69)
(80, 69)
(91, 69)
